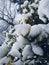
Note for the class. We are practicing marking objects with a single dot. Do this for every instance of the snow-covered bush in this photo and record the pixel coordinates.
(43, 10)
(26, 43)
(28, 14)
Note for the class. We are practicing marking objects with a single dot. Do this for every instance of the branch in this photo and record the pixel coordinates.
(10, 23)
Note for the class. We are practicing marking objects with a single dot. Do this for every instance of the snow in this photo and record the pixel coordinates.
(37, 50)
(44, 31)
(2, 38)
(26, 38)
(43, 10)
(35, 30)
(22, 18)
(4, 60)
(27, 52)
(32, 62)
(14, 53)
(47, 28)
(40, 30)
(4, 49)
(26, 3)
(34, 5)
(21, 42)
(18, 18)
(22, 29)
(19, 62)
(25, 11)
(3, 25)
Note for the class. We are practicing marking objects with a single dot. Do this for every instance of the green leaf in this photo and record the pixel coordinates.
(10, 36)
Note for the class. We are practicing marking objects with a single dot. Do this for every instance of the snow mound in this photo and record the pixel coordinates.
(22, 29)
